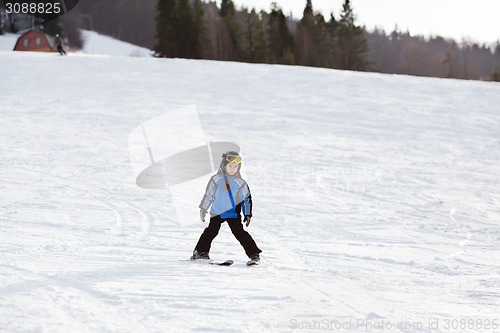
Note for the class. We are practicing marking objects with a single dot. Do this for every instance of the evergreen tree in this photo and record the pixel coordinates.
(166, 23)
(255, 38)
(178, 29)
(353, 47)
(313, 41)
(198, 29)
(214, 40)
(308, 10)
(323, 43)
(305, 50)
(228, 14)
(227, 8)
(332, 41)
(187, 34)
(280, 40)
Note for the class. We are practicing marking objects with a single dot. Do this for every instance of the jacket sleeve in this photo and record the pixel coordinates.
(209, 196)
(247, 200)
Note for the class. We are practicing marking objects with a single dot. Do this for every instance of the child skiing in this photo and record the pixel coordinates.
(228, 194)
(59, 45)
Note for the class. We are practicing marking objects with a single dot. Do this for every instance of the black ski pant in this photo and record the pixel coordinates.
(61, 50)
(236, 226)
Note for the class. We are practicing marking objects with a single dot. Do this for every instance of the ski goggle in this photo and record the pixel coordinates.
(234, 158)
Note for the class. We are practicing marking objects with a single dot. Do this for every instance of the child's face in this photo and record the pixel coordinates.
(231, 168)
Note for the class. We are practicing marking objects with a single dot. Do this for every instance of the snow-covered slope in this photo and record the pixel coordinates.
(8, 41)
(376, 199)
(95, 43)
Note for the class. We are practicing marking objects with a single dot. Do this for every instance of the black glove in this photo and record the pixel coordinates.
(246, 220)
(203, 212)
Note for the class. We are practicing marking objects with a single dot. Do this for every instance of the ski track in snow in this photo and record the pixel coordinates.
(376, 197)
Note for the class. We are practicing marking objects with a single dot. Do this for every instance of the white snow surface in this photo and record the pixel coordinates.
(8, 41)
(95, 43)
(376, 199)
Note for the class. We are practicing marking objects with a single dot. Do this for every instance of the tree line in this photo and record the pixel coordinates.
(204, 30)
(402, 53)
(200, 30)
(195, 29)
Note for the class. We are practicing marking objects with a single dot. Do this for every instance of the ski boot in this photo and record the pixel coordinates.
(254, 260)
(199, 255)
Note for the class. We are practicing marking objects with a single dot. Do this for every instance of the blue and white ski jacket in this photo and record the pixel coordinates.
(224, 204)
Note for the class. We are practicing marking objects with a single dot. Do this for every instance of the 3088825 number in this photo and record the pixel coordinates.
(471, 324)
(33, 8)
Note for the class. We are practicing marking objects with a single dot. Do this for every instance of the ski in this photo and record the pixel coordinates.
(224, 263)
(211, 262)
